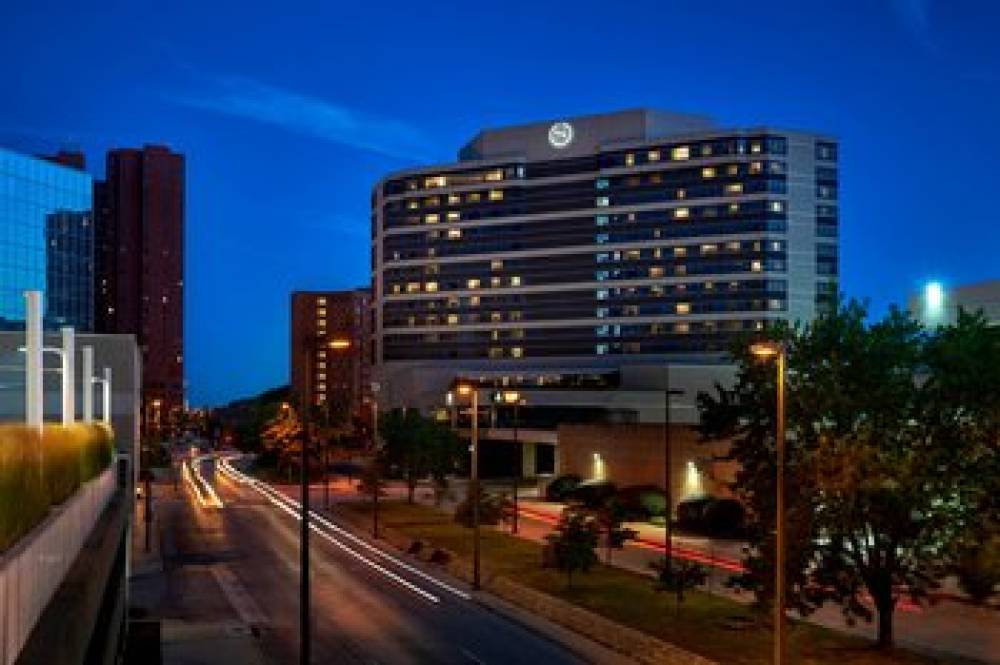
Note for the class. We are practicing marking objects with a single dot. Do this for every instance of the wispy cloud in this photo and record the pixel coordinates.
(915, 15)
(247, 98)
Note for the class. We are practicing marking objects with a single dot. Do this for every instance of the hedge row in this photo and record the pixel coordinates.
(40, 470)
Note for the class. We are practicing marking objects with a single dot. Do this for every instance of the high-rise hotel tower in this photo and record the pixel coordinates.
(572, 246)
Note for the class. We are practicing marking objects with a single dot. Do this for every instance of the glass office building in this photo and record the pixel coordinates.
(46, 241)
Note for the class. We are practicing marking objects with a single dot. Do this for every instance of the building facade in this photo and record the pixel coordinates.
(139, 211)
(562, 251)
(46, 241)
(326, 377)
(939, 305)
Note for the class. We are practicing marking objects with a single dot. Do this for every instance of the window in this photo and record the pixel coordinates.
(680, 153)
(681, 213)
(454, 216)
(495, 280)
(710, 248)
(734, 188)
(601, 349)
(412, 204)
(412, 287)
(432, 218)
(756, 168)
(515, 280)
(682, 328)
(516, 352)
(431, 287)
(601, 183)
(454, 199)
(629, 159)
(733, 169)
(683, 308)
(656, 272)
(473, 301)
(601, 220)
(681, 193)
(454, 234)
(776, 206)
(496, 317)
(496, 195)
(496, 352)
(603, 201)
(452, 319)
(473, 197)
(653, 155)
(473, 283)
(396, 288)
(755, 147)
(756, 266)
(494, 176)
(708, 172)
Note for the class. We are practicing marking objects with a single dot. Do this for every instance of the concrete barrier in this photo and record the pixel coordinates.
(32, 570)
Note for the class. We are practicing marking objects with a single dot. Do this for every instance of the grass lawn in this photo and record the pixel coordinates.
(704, 623)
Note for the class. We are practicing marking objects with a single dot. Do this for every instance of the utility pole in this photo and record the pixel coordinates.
(668, 539)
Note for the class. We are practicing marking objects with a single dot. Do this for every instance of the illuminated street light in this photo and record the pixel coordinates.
(513, 398)
(468, 390)
(766, 351)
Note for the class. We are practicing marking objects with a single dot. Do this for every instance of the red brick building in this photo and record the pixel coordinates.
(340, 377)
(139, 261)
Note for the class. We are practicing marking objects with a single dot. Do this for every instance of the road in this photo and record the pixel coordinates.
(366, 608)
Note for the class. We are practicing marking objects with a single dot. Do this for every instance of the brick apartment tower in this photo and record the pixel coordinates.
(139, 247)
(340, 378)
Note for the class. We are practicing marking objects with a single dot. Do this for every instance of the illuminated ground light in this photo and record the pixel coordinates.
(692, 480)
(934, 300)
(598, 470)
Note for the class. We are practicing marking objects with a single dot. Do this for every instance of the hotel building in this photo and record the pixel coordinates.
(600, 241)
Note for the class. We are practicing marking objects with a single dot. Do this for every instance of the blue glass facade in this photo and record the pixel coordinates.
(46, 241)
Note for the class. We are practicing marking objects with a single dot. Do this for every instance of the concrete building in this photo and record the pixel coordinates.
(939, 305)
(46, 241)
(340, 378)
(139, 211)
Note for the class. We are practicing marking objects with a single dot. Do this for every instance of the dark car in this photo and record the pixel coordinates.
(711, 517)
(559, 488)
(592, 493)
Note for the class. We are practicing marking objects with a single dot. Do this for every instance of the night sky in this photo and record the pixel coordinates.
(288, 113)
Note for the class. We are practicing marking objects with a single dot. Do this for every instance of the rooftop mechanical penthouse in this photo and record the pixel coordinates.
(602, 240)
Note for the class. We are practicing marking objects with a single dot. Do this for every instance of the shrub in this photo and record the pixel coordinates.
(641, 502)
(571, 545)
(493, 509)
(559, 489)
(978, 570)
(39, 470)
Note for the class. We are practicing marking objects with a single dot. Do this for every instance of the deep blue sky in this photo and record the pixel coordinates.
(289, 112)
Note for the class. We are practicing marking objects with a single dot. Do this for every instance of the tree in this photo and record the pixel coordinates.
(417, 447)
(870, 512)
(609, 520)
(678, 577)
(493, 509)
(571, 545)
(372, 485)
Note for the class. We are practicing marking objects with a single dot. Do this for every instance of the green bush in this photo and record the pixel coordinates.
(978, 570)
(39, 470)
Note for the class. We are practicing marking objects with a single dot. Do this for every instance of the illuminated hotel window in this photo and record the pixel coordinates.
(709, 248)
(431, 287)
(454, 234)
(412, 287)
(709, 286)
(454, 216)
(432, 201)
(756, 266)
(733, 169)
(708, 172)
(681, 213)
(756, 167)
(321, 354)
(733, 245)
(412, 204)
(515, 280)
(656, 290)
(680, 251)
(454, 199)
(432, 218)
(682, 328)
(680, 153)
(452, 302)
(653, 155)
(435, 181)
(495, 335)
(496, 264)
(473, 197)
(629, 159)
(681, 193)
(496, 316)
(755, 147)
(452, 319)
(633, 255)
(396, 288)
(321, 365)
(321, 301)
(603, 201)
(734, 188)
(496, 195)
(777, 206)
(601, 349)
(734, 208)
(495, 352)
(516, 352)
(683, 308)
(514, 315)
(474, 301)
(473, 283)
(774, 303)
(680, 269)
(706, 149)
(657, 252)
(495, 280)
(494, 176)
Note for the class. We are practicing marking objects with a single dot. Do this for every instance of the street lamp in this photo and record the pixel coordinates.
(512, 397)
(336, 344)
(469, 390)
(766, 351)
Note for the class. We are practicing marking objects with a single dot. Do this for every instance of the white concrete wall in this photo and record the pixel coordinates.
(32, 570)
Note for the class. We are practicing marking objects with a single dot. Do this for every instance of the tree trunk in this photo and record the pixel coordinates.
(411, 488)
(885, 605)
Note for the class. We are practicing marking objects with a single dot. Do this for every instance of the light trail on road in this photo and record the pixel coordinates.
(293, 508)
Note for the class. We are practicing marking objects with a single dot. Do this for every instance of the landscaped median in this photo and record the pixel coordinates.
(710, 626)
(40, 469)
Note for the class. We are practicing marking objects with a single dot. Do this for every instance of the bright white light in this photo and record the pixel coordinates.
(598, 468)
(692, 481)
(934, 298)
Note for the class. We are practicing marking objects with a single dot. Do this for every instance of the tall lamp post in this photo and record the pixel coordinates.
(766, 351)
(668, 532)
(512, 397)
(469, 390)
(340, 345)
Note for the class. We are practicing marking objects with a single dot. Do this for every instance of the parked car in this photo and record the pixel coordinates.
(711, 516)
(559, 488)
(641, 502)
(592, 493)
